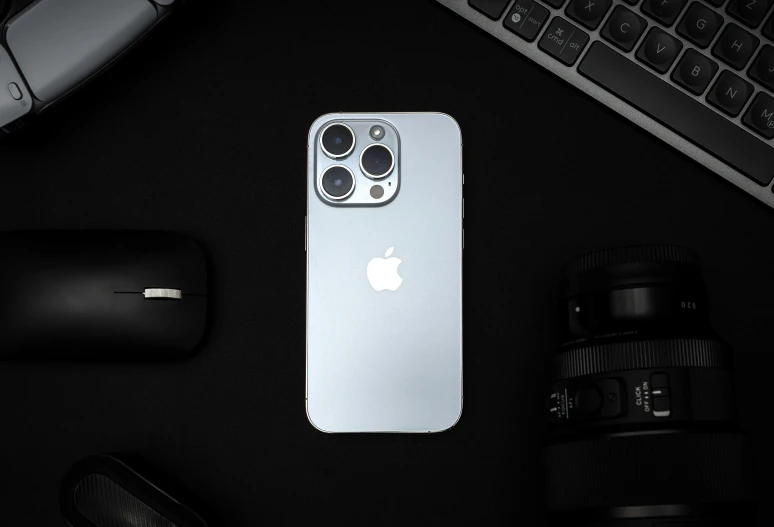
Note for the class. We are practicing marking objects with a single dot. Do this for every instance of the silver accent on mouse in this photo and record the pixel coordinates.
(155, 292)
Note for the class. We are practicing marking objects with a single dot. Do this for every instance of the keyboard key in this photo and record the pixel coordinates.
(555, 3)
(526, 19)
(751, 12)
(624, 28)
(563, 41)
(730, 93)
(768, 28)
(665, 11)
(588, 12)
(760, 115)
(762, 69)
(491, 8)
(700, 24)
(679, 111)
(716, 3)
(659, 50)
(695, 71)
(735, 46)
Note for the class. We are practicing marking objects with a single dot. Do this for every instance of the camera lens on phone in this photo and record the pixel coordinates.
(376, 161)
(337, 182)
(337, 140)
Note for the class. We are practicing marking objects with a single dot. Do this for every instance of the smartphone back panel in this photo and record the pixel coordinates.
(384, 282)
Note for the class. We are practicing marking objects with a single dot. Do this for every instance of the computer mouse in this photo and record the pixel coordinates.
(100, 295)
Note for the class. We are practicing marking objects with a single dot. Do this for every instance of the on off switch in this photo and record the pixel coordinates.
(659, 383)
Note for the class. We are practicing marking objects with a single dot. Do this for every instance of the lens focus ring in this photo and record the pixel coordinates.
(647, 354)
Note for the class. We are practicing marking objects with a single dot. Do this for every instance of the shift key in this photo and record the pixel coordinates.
(564, 41)
(526, 19)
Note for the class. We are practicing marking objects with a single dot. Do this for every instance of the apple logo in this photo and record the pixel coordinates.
(383, 272)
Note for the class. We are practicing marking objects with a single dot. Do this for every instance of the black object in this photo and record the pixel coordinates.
(665, 11)
(640, 406)
(588, 12)
(760, 115)
(526, 18)
(659, 50)
(105, 295)
(720, 34)
(695, 71)
(624, 28)
(700, 24)
(105, 491)
(736, 46)
(564, 41)
(751, 12)
(679, 111)
(762, 69)
(491, 8)
(730, 93)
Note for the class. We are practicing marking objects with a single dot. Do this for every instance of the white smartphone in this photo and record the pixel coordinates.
(384, 273)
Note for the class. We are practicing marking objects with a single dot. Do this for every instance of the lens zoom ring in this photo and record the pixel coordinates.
(646, 470)
(631, 254)
(619, 356)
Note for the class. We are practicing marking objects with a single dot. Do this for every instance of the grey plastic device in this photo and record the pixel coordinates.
(496, 28)
(52, 47)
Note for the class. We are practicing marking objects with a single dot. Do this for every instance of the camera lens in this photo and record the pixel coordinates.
(337, 140)
(337, 182)
(376, 161)
(640, 402)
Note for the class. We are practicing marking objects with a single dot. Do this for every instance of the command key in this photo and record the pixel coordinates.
(563, 41)
(526, 19)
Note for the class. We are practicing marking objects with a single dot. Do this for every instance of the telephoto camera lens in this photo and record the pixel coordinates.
(640, 412)
(376, 161)
(337, 141)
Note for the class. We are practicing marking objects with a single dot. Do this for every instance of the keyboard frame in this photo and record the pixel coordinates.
(571, 75)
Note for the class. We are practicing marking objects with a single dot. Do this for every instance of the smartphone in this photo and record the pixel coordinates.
(384, 244)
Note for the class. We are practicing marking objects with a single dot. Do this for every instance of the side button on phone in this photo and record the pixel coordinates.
(306, 230)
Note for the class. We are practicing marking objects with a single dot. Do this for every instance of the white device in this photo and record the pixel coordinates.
(384, 273)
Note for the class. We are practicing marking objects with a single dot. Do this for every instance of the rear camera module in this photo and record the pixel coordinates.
(376, 161)
(337, 140)
(337, 182)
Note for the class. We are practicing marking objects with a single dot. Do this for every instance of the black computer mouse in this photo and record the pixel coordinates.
(100, 295)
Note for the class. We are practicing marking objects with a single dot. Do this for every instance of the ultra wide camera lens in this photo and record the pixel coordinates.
(376, 161)
(337, 182)
(640, 399)
(337, 140)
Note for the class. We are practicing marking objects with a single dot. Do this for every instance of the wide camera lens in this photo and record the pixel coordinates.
(640, 412)
(337, 182)
(376, 161)
(337, 141)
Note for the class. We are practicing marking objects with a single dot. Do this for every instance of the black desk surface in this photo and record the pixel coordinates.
(202, 130)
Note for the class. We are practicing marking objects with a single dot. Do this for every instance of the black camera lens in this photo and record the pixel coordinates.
(337, 182)
(337, 140)
(640, 404)
(376, 161)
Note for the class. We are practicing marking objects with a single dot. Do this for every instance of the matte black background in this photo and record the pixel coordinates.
(203, 130)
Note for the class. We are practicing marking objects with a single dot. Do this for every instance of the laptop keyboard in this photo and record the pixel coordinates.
(702, 72)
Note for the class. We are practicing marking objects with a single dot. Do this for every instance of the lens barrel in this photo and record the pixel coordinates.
(640, 407)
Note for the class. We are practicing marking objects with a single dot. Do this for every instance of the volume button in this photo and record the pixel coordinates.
(306, 230)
